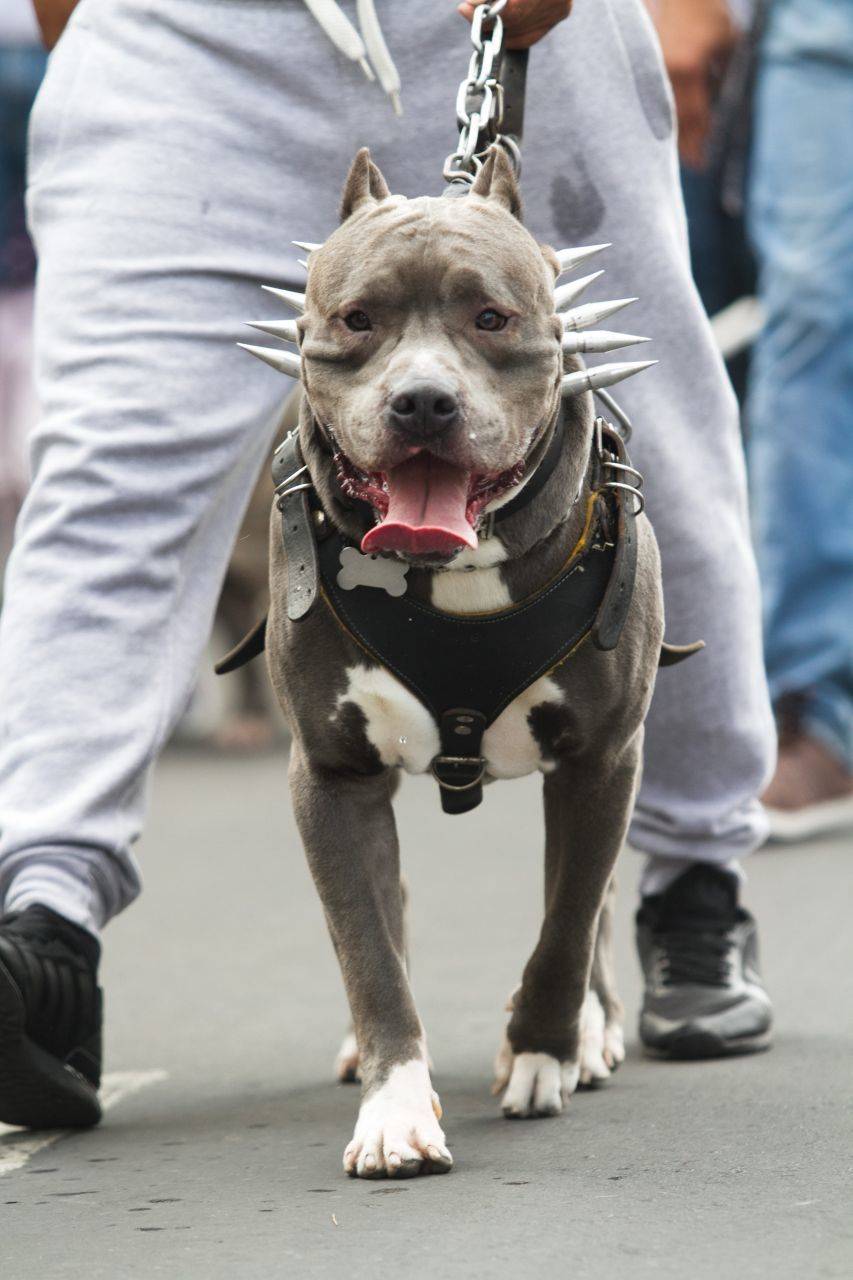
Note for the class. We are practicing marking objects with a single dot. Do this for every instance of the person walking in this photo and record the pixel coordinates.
(176, 147)
(800, 406)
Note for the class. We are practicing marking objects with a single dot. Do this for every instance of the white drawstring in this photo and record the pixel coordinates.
(341, 32)
(344, 37)
(388, 75)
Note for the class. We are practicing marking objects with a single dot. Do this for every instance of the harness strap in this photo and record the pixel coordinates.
(460, 776)
(293, 485)
(620, 589)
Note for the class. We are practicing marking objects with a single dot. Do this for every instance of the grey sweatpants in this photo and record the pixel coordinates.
(178, 146)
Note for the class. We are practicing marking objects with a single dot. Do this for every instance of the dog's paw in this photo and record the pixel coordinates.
(594, 1067)
(397, 1134)
(538, 1085)
(348, 1061)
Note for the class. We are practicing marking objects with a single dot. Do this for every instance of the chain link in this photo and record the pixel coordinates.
(480, 100)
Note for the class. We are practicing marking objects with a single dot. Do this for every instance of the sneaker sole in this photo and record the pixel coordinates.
(37, 1090)
(693, 1043)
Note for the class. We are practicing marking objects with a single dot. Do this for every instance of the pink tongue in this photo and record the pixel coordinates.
(426, 510)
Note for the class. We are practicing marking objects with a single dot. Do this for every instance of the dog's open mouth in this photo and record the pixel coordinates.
(425, 506)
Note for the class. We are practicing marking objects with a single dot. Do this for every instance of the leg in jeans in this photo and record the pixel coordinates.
(801, 404)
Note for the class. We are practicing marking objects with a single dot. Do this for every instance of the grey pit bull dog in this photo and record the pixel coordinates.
(439, 380)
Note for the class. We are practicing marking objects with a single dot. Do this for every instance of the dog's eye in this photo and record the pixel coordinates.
(358, 321)
(491, 320)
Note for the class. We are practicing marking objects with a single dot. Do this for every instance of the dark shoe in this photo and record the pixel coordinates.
(50, 1022)
(699, 952)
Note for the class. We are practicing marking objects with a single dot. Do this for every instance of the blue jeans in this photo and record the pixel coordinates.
(800, 411)
(21, 70)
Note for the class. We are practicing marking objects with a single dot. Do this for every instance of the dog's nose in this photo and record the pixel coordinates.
(423, 410)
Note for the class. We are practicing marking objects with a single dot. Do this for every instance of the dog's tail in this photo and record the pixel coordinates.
(672, 654)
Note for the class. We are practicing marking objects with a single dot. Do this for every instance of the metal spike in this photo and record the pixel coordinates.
(571, 258)
(590, 313)
(596, 340)
(302, 263)
(604, 375)
(282, 361)
(307, 245)
(294, 300)
(565, 295)
(284, 329)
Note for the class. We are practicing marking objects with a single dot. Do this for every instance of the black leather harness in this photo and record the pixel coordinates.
(466, 669)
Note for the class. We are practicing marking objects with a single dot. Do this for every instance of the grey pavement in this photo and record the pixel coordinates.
(223, 977)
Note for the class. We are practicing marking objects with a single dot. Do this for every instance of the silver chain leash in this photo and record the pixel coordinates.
(480, 100)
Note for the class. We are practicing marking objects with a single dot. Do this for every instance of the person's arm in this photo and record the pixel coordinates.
(525, 21)
(697, 37)
(52, 16)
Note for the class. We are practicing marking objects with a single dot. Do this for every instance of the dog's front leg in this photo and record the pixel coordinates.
(347, 826)
(587, 809)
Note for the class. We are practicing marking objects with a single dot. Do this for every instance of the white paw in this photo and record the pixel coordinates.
(348, 1063)
(614, 1046)
(594, 1069)
(397, 1134)
(538, 1085)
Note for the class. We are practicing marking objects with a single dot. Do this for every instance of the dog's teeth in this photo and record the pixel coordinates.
(571, 258)
(590, 313)
(307, 245)
(565, 295)
(604, 375)
(294, 300)
(596, 340)
(284, 329)
(282, 361)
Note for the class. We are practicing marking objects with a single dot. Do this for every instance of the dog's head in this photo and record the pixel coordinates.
(431, 354)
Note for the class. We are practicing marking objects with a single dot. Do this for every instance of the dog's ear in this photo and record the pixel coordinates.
(497, 181)
(364, 184)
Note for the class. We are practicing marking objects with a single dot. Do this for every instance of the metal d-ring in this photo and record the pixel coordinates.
(453, 786)
(629, 488)
(608, 463)
(286, 488)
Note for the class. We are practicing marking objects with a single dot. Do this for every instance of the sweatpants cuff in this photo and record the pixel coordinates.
(62, 890)
(659, 873)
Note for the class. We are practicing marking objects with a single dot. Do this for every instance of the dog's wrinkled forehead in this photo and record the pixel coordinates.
(429, 252)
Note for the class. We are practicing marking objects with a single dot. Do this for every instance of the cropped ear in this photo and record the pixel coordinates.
(364, 184)
(497, 181)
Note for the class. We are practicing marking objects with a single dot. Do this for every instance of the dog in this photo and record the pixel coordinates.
(448, 482)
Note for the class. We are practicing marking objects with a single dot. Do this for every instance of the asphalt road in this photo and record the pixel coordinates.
(223, 978)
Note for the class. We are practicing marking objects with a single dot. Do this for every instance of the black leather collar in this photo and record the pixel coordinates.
(540, 477)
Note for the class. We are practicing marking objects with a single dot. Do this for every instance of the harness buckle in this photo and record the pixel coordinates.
(455, 762)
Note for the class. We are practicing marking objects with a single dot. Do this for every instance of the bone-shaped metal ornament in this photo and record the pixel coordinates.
(358, 570)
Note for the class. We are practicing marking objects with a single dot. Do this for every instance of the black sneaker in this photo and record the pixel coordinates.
(699, 951)
(50, 1022)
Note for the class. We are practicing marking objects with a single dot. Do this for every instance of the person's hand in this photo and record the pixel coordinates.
(697, 38)
(525, 21)
(52, 16)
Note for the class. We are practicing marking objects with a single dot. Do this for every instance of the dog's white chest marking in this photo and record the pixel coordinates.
(404, 733)
(473, 584)
(396, 723)
(509, 746)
